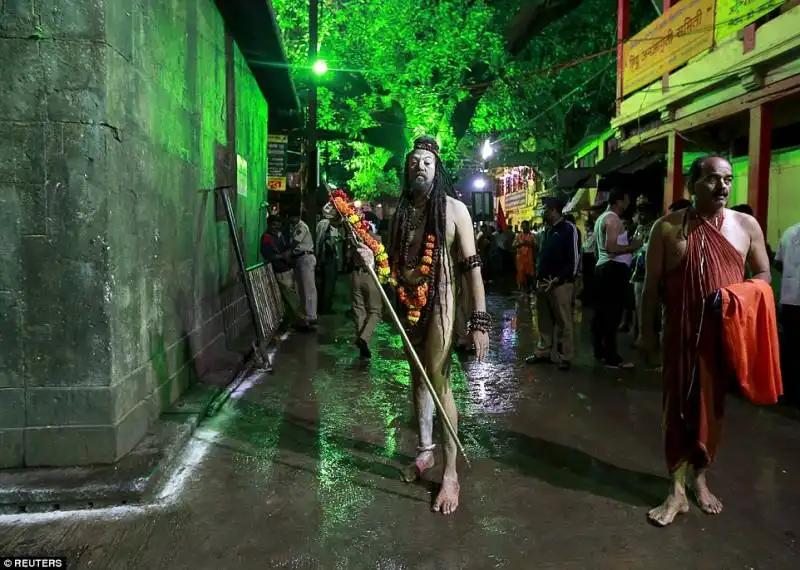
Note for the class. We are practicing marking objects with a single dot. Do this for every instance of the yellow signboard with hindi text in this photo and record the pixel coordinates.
(679, 34)
(734, 15)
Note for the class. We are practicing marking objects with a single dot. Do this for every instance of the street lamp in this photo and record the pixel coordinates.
(320, 67)
(486, 150)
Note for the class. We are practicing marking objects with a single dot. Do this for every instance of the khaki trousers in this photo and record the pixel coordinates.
(288, 289)
(367, 304)
(556, 326)
(304, 271)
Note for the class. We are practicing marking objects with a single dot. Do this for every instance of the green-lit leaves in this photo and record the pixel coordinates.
(428, 57)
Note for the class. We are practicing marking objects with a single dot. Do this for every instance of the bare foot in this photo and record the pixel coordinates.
(423, 462)
(706, 500)
(674, 505)
(447, 499)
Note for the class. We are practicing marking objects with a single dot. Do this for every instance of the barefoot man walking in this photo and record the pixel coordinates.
(429, 231)
(696, 251)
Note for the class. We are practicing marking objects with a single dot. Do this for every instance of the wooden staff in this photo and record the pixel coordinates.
(414, 356)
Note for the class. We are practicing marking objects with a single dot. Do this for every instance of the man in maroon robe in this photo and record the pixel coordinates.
(696, 252)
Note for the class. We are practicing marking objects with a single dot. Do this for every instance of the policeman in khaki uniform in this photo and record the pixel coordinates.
(305, 263)
(367, 301)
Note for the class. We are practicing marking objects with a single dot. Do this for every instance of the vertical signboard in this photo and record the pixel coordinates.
(277, 147)
(241, 175)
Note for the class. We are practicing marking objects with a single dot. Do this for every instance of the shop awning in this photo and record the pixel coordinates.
(572, 178)
(626, 162)
(255, 28)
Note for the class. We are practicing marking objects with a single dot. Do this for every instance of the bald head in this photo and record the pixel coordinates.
(710, 179)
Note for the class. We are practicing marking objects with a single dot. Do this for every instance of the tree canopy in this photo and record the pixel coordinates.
(449, 68)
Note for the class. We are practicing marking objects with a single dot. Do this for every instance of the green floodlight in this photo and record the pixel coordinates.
(320, 67)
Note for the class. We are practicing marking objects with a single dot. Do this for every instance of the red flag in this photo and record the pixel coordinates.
(501, 219)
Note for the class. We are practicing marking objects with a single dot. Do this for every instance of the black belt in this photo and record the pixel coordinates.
(301, 254)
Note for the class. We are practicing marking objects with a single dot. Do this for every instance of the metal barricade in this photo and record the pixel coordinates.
(267, 297)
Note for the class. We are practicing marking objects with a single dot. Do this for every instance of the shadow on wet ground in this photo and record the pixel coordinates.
(301, 470)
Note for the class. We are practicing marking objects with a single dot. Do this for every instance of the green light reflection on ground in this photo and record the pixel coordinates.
(253, 431)
(364, 403)
(340, 499)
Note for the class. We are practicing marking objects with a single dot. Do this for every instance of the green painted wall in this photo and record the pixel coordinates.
(113, 250)
(173, 268)
(251, 144)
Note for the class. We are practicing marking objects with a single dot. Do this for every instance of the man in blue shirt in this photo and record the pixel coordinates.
(556, 269)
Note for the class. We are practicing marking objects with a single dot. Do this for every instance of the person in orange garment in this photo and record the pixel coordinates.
(525, 245)
(696, 251)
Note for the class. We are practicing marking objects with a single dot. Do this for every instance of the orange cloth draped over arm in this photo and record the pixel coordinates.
(750, 340)
(695, 378)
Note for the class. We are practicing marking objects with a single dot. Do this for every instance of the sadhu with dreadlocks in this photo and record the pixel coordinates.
(430, 230)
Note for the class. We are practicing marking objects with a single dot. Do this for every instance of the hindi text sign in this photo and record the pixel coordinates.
(733, 15)
(679, 34)
(277, 146)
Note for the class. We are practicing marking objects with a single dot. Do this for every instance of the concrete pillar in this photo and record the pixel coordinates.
(759, 155)
(674, 189)
(55, 354)
(623, 29)
(114, 285)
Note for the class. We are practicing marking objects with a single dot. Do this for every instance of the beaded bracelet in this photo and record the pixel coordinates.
(480, 321)
(471, 262)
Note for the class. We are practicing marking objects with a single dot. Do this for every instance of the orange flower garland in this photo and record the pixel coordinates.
(415, 298)
(355, 218)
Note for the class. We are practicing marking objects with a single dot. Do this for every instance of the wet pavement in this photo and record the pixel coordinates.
(299, 470)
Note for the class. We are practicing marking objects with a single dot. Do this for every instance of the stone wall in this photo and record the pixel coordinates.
(118, 285)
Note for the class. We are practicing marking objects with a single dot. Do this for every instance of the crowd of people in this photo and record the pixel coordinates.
(664, 279)
(552, 263)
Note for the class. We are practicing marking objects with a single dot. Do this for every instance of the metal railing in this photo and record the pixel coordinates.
(268, 303)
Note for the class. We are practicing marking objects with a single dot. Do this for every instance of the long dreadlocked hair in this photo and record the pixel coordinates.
(435, 223)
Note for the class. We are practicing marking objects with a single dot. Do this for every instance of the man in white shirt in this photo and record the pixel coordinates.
(614, 255)
(787, 261)
(304, 265)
